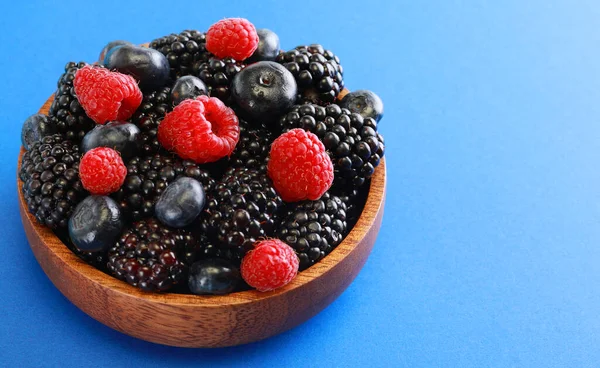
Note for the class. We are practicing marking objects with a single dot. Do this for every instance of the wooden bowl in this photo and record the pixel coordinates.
(206, 321)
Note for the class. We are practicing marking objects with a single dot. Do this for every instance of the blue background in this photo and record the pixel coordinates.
(490, 246)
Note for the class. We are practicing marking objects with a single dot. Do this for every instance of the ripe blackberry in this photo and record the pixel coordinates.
(182, 50)
(147, 255)
(148, 176)
(252, 150)
(318, 73)
(202, 249)
(314, 228)
(353, 143)
(355, 199)
(148, 116)
(66, 112)
(242, 208)
(51, 185)
(218, 74)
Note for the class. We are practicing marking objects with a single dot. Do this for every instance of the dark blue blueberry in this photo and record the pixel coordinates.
(213, 276)
(187, 87)
(34, 129)
(118, 135)
(264, 90)
(181, 203)
(148, 66)
(95, 224)
(111, 46)
(268, 46)
(365, 103)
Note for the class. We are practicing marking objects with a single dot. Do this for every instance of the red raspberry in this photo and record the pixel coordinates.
(270, 265)
(102, 171)
(232, 37)
(106, 95)
(299, 166)
(203, 130)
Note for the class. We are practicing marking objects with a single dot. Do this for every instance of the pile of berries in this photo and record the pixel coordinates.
(207, 163)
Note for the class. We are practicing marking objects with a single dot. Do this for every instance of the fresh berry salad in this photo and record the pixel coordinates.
(206, 163)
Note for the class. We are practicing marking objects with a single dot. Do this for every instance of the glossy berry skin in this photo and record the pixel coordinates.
(252, 150)
(146, 255)
(213, 276)
(34, 129)
(365, 103)
(187, 87)
(148, 66)
(270, 265)
(318, 72)
(242, 208)
(182, 50)
(268, 46)
(118, 135)
(264, 90)
(148, 176)
(299, 166)
(218, 75)
(95, 224)
(66, 113)
(102, 171)
(353, 143)
(314, 228)
(111, 46)
(51, 184)
(181, 203)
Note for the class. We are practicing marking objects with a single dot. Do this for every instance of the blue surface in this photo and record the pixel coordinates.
(489, 251)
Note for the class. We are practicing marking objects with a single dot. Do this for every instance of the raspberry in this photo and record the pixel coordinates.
(232, 37)
(203, 130)
(299, 166)
(106, 95)
(270, 265)
(102, 171)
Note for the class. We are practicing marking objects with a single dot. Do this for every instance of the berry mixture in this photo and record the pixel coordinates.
(207, 163)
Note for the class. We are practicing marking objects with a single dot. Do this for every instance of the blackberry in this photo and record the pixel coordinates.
(318, 73)
(202, 249)
(218, 75)
(352, 141)
(51, 185)
(182, 50)
(243, 208)
(355, 199)
(65, 112)
(147, 255)
(314, 228)
(148, 176)
(253, 148)
(148, 116)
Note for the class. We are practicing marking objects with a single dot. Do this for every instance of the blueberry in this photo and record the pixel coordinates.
(118, 135)
(148, 66)
(213, 276)
(35, 128)
(111, 46)
(268, 46)
(187, 87)
(365, 103)
(180, 204)
(95, 224)
(264, 90)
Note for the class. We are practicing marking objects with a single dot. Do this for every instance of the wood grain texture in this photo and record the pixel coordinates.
(206, 321)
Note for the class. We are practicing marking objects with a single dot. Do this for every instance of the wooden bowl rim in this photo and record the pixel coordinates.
(103, 280)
